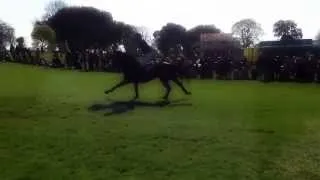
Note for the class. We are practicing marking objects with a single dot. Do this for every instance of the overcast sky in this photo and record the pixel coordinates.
(153, 14)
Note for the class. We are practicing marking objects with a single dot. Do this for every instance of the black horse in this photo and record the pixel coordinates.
(135, 73)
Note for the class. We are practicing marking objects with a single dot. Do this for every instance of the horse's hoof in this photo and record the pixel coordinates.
(165, 99)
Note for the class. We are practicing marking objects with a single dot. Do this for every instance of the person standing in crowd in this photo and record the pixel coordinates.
(85, 55)
(311, 68)
(76, 60)
(90, 60)
(300, 69)
(56, 62)
(254, 71)
(236, 70)
(244, 69)
(318, 70)
(68, 59)
(13, 51)
(30, 57)
(284, 74)
(266, 66)
(37, 58)
(275, 68)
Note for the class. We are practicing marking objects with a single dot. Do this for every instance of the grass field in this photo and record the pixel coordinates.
(226, 130)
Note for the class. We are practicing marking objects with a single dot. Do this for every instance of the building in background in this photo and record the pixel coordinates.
(220, 45)
(299, 47)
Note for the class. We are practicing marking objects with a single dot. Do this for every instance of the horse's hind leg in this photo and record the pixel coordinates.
(122, 83)
(179, 83)
(166, 84)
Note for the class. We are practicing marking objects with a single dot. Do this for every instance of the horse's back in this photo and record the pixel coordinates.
(140, 74)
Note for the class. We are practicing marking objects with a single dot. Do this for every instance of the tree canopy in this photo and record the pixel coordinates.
(287, 30)
(6, 34)
(84, 27)
(171, 36)
(144, 33)
(247, 31)
(88, 27)
(193, 36)
(318, 36)
(195, 32)
(52, 8)
(43, 36)
(131, 38)
(20, 42)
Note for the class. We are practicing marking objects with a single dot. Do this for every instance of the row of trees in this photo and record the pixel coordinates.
(6, 34)
(78, 28)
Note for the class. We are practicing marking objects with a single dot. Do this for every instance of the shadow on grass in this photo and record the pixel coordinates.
(120, 107)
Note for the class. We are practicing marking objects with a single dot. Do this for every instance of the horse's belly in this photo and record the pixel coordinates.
(145, 79)
(139, 77)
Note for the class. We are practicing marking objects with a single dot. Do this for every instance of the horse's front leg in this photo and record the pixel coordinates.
(120, 84)
(167, 86)
(180, 84)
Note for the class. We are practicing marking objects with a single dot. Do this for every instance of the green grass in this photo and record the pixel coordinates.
(233, 130)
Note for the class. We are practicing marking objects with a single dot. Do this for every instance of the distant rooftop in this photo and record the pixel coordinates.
(218, 41)
(289, 43)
